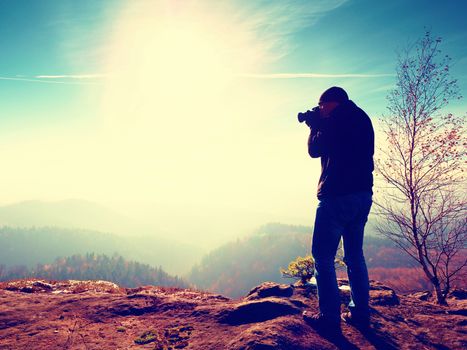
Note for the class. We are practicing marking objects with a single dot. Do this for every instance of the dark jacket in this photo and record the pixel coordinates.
(345, 143)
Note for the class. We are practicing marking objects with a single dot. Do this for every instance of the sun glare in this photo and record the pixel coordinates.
(170, 76)
(168, 65)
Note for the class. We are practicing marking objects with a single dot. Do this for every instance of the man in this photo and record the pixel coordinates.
(342, 136)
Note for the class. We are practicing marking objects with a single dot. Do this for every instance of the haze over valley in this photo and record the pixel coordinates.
(157, 141)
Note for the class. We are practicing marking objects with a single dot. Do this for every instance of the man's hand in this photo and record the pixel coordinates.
(315, 120)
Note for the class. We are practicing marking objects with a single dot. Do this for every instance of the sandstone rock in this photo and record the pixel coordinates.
(184, 318)
(258, 310)
(43, 285)
(270, 289)
(62, 287)
(459, 294)
(307, 290)
(379, 293)
(375, 285)
(272, 335)
(425, 295)
(383, 297)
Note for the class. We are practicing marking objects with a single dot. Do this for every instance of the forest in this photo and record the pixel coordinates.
(95, 267)
(32, 245)
(234, 268)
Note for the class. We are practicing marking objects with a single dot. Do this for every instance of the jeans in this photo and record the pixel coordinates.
(343, 216)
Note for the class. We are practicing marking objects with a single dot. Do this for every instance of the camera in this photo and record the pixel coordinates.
(309, 117)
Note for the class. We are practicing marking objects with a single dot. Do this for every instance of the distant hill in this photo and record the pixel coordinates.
(96, 267)
(234, 268)
(30, 246)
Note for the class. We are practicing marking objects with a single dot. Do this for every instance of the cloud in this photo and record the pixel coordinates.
(273, 22)
(55, 79)
(49, 79)
(71, 76)
(269, 25)
(312, 75)
(283, 18)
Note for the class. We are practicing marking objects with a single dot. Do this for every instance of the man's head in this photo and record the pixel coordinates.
(332, 98)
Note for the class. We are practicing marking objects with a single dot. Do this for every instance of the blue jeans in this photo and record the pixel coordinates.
(343, 216)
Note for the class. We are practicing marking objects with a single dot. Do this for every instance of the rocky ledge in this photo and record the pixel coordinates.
(38, 314)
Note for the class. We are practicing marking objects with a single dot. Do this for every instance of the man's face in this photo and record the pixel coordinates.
(325, 108)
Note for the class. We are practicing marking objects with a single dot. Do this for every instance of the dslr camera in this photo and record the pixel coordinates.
(309, 117)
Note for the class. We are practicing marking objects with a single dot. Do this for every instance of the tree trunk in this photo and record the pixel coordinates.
(440, 297)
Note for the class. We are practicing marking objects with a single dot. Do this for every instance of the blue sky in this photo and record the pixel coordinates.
(190, 106)
(48, 37)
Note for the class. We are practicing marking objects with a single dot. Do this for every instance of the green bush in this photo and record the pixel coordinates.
(301, 268)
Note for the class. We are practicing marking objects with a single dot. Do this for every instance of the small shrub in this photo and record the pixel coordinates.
(301, 268)
(171, 338)
(147, 337)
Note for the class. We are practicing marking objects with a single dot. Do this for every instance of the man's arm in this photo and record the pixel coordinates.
(318, 139)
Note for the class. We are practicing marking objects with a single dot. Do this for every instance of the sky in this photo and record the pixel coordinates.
(182, 114)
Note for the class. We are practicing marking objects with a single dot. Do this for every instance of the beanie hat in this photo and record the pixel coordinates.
(334, 94)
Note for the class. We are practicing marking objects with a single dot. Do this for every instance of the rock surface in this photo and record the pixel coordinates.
(100, 315)
(258, 311)
(269, 289)
(424, 295)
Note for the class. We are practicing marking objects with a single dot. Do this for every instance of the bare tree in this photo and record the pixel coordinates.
(423, 201)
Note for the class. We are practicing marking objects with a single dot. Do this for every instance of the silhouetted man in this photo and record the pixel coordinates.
(342, 136)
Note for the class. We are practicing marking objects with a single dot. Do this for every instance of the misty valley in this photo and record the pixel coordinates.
(232, 269)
